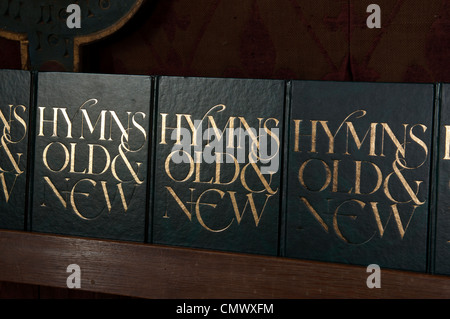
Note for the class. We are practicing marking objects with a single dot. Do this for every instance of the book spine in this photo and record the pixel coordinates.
(434, 181)
(284, 170)
(31, 150)
(151, 160)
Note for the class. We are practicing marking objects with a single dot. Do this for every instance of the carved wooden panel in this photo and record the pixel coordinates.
(45, 38)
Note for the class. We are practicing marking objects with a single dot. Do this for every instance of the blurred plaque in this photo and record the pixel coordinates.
(47, 42)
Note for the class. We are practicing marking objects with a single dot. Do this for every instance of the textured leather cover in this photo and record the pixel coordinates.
(201, 202)
(358, 173)
(442, 234)
(91, 155)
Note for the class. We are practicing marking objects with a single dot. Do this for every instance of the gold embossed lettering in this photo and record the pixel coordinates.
(251, 201)
(72, 159)
(398, 221)
(55, 190)
(358, 142)
(261, 177)
(199, 216)
(66, 157)
(191, 167)
(335, 219)
(92, 161)
(297, 136)
(401, 147)
(315, 214)
(54, 121)
(72, 197)
(179, 202)
(101, 118)
(7, 193)
(327, 173)
(447, 143)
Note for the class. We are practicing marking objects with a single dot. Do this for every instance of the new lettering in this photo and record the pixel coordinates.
(71, 196)
(254, 203)
(377, 224)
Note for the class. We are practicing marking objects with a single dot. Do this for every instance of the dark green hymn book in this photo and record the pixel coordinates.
(442, 225)
(15, 93)
(91, 155)
(359, 173)
(217, 163)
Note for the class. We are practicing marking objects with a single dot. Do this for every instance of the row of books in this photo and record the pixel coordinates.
(346, 172)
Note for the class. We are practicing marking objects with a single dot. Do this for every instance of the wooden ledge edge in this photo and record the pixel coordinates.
(161, 272)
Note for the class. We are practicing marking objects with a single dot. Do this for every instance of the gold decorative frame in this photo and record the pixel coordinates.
(77, 41)
(82, 40)
(23, 39)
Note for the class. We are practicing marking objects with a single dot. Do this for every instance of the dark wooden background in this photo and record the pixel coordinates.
(284, 39)
(275, 39)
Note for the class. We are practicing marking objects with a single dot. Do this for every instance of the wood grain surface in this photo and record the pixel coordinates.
(149, 271)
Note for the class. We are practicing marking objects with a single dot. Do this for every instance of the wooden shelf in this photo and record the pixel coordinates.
(151, 271)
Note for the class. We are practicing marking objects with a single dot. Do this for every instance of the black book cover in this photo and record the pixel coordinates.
(442, 222)
(217, 163)
(15, 94)
(359, 173)
(91, 155)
